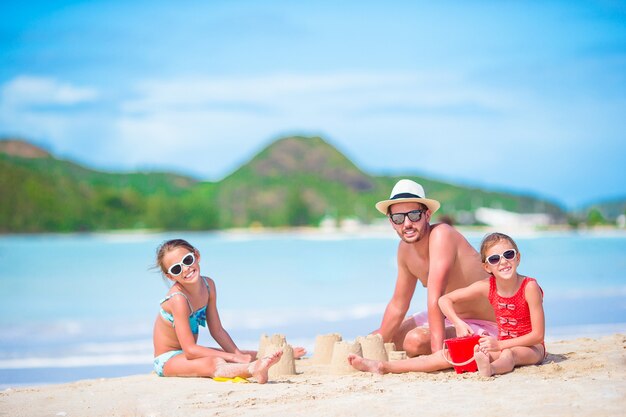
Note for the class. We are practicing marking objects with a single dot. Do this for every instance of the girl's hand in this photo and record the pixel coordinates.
(488, 344)
(462, 329)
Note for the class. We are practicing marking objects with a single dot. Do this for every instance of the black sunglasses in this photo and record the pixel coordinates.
(187, 260)
(413, 215)
(507, 254)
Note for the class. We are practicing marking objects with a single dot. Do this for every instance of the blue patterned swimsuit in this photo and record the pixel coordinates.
(196, 319)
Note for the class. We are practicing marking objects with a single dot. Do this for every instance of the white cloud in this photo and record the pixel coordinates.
(24, 91)
(45, 109)
(288, 93)
(227, 118)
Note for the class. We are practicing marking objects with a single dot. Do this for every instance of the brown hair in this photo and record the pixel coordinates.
(491, 239)
(171, 245)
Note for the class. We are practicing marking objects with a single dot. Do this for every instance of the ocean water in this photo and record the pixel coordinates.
(83, 306)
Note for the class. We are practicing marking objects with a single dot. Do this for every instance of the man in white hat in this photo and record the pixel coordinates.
(442, 260)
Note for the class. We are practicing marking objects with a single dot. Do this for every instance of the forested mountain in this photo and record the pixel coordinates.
(294, 181)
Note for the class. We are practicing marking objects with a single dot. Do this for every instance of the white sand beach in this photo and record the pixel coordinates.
(581, 377)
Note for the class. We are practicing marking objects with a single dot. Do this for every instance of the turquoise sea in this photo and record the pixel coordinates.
(82, 306)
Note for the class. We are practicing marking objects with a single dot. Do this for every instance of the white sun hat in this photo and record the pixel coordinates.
(407, 191)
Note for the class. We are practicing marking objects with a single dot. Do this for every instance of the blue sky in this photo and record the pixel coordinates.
(524, 96)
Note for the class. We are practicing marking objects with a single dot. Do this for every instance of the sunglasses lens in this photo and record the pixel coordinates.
(493, 259)
(189, 260)
(509, 254)
(398, 218)
(415, 215)
(176, 269)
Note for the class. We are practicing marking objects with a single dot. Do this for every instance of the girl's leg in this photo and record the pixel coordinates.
(218, 367)
(257, 369)
(524, 355)
(505, 363)
(179, 365)
(508, 359)
(483, 361)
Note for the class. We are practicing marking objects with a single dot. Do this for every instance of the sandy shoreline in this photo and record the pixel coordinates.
(582, 377)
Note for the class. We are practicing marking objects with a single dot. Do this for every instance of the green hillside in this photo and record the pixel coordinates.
(602, 212)
(295, 181)
(42, 193)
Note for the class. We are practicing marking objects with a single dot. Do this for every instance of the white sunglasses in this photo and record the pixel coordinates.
(187, 260)
(507, 254)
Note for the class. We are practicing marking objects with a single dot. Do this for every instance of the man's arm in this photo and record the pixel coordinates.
(442, 254)
(400, 301)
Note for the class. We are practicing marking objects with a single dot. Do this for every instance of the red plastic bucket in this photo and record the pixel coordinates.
(461, 351)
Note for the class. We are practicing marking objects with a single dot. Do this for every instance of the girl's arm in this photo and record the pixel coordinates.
(447, 301)
(534, 298)
(186, 339)
(218, 332)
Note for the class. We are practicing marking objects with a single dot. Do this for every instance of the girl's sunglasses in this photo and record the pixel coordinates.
(507, 254)
(187, 260)
(414, 216)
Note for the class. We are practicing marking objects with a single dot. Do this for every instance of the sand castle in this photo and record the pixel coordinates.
(324, 345)
(286, 365)
(331, 349)
(397, 355)
(373, 347)
(339, 362)
(390, 347)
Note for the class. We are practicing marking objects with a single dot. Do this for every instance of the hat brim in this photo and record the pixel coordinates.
(433, 205)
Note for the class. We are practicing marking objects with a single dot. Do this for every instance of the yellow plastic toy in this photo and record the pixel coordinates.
(236, 379)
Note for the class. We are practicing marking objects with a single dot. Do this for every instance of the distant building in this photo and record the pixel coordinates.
(501, 218)
(328, 224)
(350, 224)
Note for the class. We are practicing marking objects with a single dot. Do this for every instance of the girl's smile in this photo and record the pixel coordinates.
(189, 274)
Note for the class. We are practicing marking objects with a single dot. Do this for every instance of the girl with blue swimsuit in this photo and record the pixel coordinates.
(189, 304)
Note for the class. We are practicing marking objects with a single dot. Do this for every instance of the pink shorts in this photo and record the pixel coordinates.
(480, 327)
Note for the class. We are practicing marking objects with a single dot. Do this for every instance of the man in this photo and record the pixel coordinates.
(442, 260)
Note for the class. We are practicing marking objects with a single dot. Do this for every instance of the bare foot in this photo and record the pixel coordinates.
(259, 368)
(482, 360)
(298, 352)
(365, 365)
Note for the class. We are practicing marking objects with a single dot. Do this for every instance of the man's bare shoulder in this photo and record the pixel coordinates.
(444, 230)
(445, 236)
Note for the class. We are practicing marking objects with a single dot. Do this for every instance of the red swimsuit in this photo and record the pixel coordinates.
(512, 313)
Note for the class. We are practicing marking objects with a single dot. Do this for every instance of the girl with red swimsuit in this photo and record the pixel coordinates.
(518, 304)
